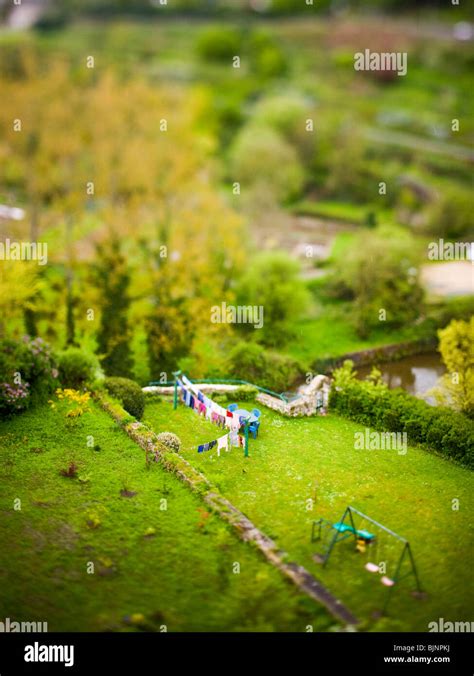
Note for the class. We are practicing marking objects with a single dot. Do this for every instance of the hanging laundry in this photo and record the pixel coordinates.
(218, 409)
(223, 444)
(236, 423)
(215, 413)
(187, 382)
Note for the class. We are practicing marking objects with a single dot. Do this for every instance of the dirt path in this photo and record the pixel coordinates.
(404, 140)
(453, 278)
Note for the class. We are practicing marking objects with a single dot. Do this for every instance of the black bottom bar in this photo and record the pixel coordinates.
(134, 653)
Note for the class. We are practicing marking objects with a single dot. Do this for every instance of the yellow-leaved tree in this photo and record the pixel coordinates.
(456, 345)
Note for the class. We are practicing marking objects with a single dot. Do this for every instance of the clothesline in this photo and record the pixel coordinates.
(202, 405)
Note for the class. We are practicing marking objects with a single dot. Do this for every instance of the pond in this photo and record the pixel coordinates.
(416, 374)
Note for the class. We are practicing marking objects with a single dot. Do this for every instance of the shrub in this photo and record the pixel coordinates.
(245, 393)
(267, 57)
(28, 374)
(268, 164)
(219, 43)
(373, 404)
(129, 393)
(287, 113)
(376, 276)
(76, 367)
(451, 216)
(170, 440)
(250, 361)
(272, 282)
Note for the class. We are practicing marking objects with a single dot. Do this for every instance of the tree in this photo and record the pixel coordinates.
(288, 113)
(379, 274)
(272, 282)
(451, 215)
(456, 345)
(112, 277)
(18, 288)
(263, 162)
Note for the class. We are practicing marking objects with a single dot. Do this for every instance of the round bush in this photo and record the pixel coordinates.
(76, 367)
(129, 393)
(262, 367)
(170, 440)
(219, 43)
(28, 373)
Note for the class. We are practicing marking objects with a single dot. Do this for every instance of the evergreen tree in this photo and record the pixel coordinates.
(167, 327)
(113, 280)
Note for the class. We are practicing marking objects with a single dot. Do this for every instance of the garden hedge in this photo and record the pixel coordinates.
(373, 404)
(129, 393)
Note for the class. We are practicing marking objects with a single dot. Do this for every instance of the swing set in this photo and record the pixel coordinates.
(333, 533)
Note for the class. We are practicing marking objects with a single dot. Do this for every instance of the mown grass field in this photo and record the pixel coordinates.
(179, 574)
(296, 460)
(331, 334)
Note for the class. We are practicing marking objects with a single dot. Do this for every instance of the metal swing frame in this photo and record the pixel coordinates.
(341, 535)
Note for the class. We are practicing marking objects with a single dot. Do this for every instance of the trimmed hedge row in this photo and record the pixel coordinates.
(129, 394)
(373, 404)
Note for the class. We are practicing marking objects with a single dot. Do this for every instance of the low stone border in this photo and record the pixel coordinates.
(377, 355)
(246, 530)
(306, 401)
(304, 404)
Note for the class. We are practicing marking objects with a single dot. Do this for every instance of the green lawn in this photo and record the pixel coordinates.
(330, 334)
(182, 576)
(295, 460)
(349, 212)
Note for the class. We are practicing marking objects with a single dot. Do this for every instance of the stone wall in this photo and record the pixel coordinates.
(306, 403)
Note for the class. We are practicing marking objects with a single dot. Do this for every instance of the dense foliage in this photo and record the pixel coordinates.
(272, 284)
(28, 373)
(128, 393)
(250, 361)
(371, 403)
(76, 367)
(456, 345)
(380, 274)
(113, 281)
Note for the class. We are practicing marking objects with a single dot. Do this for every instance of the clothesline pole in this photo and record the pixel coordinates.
(246, 432)
(175, 402)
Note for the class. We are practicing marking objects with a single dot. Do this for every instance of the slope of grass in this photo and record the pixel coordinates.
(295, 461)
(182, 573)
(331, 334)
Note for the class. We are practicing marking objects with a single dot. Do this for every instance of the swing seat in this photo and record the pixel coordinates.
(371, 567)
(387, 581)
(342, 527)
(365, 535)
